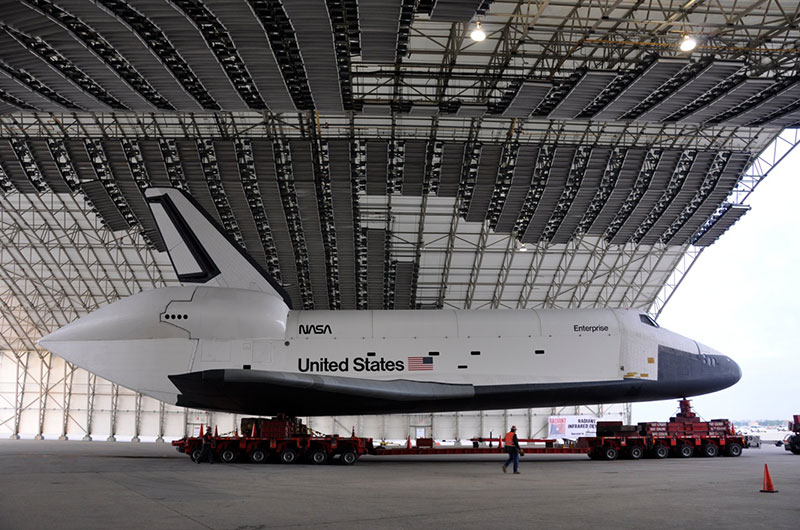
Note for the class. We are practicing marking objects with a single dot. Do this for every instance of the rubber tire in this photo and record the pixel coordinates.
(733, 449)
(709, 450)
(288, 456)
(348, 458)
(635, 452)
(609, 452)
(795, 448)
(258, 456)
(195, 455)
(227, 456)
(318, 457)
(660, 451)
(594, 455)
(685, 451)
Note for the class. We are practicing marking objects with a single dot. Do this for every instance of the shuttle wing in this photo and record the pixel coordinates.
(201, 251)
(262, 391)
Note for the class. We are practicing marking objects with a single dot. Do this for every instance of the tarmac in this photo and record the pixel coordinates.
(106, 485)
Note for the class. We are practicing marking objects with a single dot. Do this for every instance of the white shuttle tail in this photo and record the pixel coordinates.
(200, 250)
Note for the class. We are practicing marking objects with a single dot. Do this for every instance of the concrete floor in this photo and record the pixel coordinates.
(87, 485)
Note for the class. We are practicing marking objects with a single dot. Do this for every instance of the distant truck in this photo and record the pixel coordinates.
(792, 441)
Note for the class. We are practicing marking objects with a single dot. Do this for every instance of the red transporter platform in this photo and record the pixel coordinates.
(288, 441)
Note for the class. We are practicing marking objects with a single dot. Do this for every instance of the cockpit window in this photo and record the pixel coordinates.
(647, 320)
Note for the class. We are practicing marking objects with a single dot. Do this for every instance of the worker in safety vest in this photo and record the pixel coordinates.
(206, 453)
(513, 450)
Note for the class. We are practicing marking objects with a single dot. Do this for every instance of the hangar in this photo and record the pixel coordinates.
(372, 155)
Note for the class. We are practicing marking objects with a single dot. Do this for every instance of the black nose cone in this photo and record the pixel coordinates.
(729, 370)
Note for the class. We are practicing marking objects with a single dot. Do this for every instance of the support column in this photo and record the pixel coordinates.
(530, 423)
(161, 418)
(19, 391)
(44, 384)
(137, 419)
(114, 401)
(69, 371)
(91, 387)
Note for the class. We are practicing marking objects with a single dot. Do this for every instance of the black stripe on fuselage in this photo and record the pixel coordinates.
(208, 269)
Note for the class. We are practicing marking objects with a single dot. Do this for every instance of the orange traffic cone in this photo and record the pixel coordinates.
(253, 434)
(408, 442)
(216, 434)
(201, 430)
(500, 442)
(768, 486)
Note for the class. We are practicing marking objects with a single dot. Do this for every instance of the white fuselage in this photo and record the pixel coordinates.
(141, 340)
(227, 340)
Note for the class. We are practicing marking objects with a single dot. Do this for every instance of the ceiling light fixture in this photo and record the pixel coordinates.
(523, 247)
(478, 34)
(688, 43)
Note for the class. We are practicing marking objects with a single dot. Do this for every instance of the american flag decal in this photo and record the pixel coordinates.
(416, 364)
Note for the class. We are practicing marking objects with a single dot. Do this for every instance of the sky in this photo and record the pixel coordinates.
(742, 299)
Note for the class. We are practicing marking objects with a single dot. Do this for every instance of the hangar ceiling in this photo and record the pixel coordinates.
(370, 154)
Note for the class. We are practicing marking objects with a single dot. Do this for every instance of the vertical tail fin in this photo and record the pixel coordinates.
(201, 251)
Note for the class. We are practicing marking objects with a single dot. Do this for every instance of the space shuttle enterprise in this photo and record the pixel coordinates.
(228, 339)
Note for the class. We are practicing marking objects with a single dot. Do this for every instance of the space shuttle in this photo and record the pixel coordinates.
(229, 340)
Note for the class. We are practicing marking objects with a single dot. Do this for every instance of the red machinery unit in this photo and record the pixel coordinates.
(685, 435)
(281, 439)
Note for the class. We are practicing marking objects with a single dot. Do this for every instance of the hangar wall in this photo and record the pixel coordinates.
(43, 396)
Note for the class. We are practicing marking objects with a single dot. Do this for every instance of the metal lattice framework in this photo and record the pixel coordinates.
(371, 155)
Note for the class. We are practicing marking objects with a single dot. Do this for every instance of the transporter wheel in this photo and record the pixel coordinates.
(733, 449)
(195, 455)
(227, 456)
(795, 448)
(660, 451)
(610, 452)
(349, 457)
(288, 456)
(635, 452)
(709, 450)
(594, 454)
(258, 456)
(318, 457)
(685, 451)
